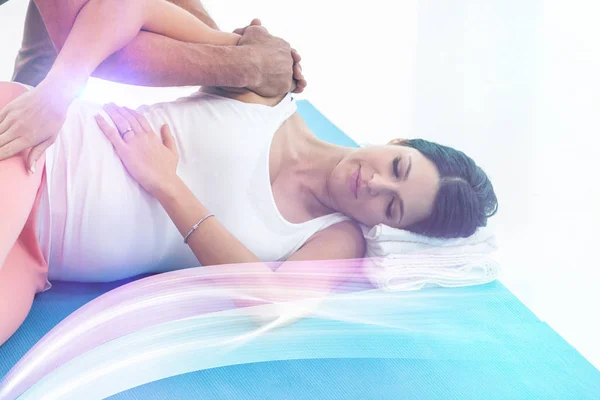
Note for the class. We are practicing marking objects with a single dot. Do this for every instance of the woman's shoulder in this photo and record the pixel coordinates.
(244, 95)
(340, 240)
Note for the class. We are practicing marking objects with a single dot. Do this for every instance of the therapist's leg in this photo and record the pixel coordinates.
(23, 270)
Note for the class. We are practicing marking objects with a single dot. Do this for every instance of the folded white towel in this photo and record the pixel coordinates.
(402, 260)
(383, 240)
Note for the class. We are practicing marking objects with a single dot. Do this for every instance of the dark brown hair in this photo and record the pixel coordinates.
(465, 199)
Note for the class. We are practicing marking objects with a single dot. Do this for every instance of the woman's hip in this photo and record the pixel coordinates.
(20, 198)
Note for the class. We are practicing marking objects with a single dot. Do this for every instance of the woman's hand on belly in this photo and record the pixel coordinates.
(151, 160)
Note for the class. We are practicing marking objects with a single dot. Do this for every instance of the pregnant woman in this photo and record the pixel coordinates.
(214, 178)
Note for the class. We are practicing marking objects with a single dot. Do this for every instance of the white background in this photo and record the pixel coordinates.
(513, 83)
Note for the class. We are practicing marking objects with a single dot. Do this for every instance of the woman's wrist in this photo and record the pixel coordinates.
(233, 39)
(169, 190)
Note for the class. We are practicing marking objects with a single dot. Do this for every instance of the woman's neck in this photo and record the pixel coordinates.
(311, 162)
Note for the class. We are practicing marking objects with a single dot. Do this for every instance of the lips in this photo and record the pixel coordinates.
(355, 182)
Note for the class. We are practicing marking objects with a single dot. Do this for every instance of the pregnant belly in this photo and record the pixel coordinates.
(103, 225)
(104, 241)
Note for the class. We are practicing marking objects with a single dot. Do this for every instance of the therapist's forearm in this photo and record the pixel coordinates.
(128, 55)
(180, 64)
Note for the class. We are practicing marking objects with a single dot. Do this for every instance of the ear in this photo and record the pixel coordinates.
(397, 142)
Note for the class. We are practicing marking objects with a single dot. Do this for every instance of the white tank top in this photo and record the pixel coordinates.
(97, 223)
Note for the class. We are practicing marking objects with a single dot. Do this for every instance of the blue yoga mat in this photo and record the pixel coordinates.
(518, 357)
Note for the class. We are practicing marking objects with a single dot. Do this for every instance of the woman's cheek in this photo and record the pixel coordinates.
(372, 212)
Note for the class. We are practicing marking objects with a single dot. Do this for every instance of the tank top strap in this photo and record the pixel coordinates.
(285, 108)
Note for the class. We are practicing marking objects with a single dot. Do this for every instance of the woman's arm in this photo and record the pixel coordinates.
(197, 9)
(172, 21)
(98, 19)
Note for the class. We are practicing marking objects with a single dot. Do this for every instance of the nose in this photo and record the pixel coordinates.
(379, 184)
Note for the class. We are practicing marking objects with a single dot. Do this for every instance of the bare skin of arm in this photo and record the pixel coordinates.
(262, 63)
(196, 8)
(34, 119)
(96, 19)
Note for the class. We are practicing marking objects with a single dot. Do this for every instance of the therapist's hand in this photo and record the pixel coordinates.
(151, 160)
(279, 64)
(33, 120)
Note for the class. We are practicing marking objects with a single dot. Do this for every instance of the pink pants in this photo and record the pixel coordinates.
(23, 270)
